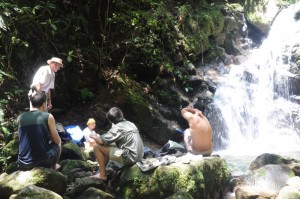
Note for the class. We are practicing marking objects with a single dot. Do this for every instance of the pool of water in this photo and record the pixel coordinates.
(239, 164)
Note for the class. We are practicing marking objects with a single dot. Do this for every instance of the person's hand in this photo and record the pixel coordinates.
(49, 105)
(93, 135)
(199, 113)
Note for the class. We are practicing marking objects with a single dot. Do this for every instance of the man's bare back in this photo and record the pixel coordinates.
(200, 131)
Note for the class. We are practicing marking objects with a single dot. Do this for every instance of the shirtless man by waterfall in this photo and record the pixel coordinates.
(198, 138)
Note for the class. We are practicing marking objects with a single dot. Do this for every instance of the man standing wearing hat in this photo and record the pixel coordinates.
(44, 78)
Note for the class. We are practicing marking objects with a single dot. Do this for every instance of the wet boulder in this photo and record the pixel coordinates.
(205, 178)
(261, 14)
(70, 150)
(268, 158)
(38, 192)
(42, 177)
(94, 193)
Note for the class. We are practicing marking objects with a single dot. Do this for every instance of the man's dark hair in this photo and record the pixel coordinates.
(37, 98)
(115, 115)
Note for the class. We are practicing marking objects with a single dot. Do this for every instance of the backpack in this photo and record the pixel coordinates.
(63, 134)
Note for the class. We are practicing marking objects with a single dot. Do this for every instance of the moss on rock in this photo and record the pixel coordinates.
(69, 165)
(207, 178)
(70, 150)
(41, 177)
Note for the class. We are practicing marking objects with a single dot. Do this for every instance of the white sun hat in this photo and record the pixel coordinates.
(56, 60)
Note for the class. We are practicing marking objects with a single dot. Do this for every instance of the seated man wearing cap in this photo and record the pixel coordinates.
(44, 79)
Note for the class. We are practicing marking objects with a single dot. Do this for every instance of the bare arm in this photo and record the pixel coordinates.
(189, 112)
(49, 95)
(37, 86)
(49, 102)
(192, 115)
(97, 138)
(53, 132)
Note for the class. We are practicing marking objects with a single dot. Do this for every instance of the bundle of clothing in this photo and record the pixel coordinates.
(168, 154)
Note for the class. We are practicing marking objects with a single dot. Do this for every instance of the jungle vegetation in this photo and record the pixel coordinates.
(99, 41)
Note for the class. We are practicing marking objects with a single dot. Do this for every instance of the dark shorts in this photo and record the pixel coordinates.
(53, 155)
(49, 160)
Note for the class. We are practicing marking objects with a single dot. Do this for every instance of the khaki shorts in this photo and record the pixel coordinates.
(116, 154)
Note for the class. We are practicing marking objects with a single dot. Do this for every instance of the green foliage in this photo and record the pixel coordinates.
(8, 153)
(150, 41)
(197, 26)
(86, 95)
(20, 26)
(3, 163)
(32, 31)
(92, 36)
(124, 35)
(183, 77)
(8, 113)
(164, 94)
(70, 56)
(4, 75)
(9, 100)
(288, 2)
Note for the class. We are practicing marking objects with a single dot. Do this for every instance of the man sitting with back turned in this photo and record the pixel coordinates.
(39, 142)
(198, 137)
(129, 147)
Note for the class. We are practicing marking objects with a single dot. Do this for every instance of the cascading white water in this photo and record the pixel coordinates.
(254, 102)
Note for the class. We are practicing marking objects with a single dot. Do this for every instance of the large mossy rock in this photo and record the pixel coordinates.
(138, 107)
(41, 177)
(69, 165)
(77, 169)
(262, 13)
(206, 178)
(181, 195)
(70, 150)
(94, 193)
(88, 187)
(35, 192)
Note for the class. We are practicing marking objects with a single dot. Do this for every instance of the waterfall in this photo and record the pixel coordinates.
(254, 104)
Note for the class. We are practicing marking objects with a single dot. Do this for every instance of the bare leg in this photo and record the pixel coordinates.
(102, 155)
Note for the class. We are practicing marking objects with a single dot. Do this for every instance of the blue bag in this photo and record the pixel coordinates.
(76, 134)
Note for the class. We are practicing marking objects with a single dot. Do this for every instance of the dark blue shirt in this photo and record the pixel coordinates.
(34, 137)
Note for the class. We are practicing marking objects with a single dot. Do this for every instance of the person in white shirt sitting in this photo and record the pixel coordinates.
(90, 129)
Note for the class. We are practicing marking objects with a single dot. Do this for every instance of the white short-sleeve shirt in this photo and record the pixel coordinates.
(87, 132)
(45, 77)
